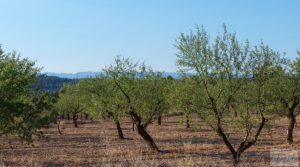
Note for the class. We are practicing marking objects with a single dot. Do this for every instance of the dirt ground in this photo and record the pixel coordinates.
(96, 144)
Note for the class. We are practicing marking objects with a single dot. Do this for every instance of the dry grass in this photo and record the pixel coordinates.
(96, 144)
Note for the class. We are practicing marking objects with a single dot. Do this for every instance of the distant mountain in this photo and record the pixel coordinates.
(174, 75)
(91, 74)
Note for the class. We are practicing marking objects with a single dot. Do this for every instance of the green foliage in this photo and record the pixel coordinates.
(220, 67)
(183, 95)
(69, 101)
(22, 109)
(102, 98)
(142, 89)
(286, 87)
(150, 93)
(235, 82)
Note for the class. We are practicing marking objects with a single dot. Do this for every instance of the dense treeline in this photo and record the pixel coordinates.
(52, 84)
(232, 86)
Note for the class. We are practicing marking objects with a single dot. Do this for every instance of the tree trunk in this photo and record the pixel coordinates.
(159, 120)
(292, 121)
(86, 116)
(141, 130)
(132, 126)
(120, 132)
(187, 121)
(58, 126)
(236, 159)
(68, 116)
(81, 118)
(75, 120)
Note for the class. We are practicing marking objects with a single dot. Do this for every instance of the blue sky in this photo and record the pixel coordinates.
(85, 35)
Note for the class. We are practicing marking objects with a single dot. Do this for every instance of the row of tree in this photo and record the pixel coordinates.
(126, 88)
(232, 86)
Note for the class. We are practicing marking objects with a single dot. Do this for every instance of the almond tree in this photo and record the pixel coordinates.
(286, 86)
(102, 98)
(70, 102)
(140, 89)
(163, 85)
(229, 74)
(184, 96)
(23, 110)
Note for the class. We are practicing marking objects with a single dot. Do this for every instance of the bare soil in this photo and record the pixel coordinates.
(96, 144)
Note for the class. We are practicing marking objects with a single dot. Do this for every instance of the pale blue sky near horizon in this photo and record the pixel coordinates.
(85, 35)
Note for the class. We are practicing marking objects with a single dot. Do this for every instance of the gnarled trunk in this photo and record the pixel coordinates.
(244, 145)
(236, 159)
(292, 121)
(137, 121)
(142, 131)
(291, 117)
(120, 132)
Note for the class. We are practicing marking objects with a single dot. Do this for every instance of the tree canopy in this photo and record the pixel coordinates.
(23, 110)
